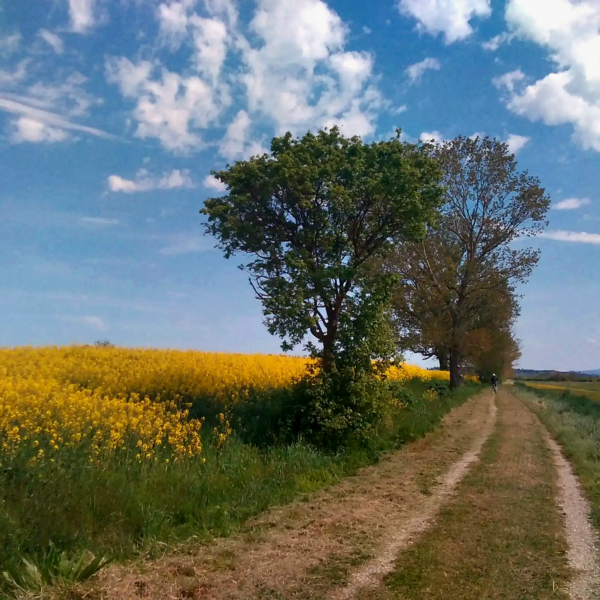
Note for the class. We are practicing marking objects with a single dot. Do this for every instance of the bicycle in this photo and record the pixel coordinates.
(495, 388)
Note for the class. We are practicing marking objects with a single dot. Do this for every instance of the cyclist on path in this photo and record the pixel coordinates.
(495, 382)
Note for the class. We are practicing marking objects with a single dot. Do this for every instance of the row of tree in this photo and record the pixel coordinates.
(363, 251)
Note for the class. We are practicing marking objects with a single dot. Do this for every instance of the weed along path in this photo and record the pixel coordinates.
(337, 541)
(484, 507)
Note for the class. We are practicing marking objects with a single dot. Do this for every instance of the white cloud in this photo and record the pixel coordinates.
(210, 41)
(299, 75)
(10, 43)
(99, 221)
(572, 204)
(572, 236)
(11, 78)
(497, 41)
(232, 145)
(52, 40)
(416, 71)
(448, 17)
(81, 13)
(235, 143)
(570, 31)
(12, 104)
(173, 20)
(435, 136)
(93, 321)
(31, 130)
(295, 73)
(186, 244)
(211, 182)
(68, 97)
(400, 109)
(516, 142)
(144, 182)
(367, 30)
(508, 80)
(169, 107)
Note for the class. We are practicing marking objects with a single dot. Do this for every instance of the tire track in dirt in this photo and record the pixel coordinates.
(403, 534)
(335, 541)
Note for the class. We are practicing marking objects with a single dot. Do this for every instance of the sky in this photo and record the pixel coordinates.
(114, 112)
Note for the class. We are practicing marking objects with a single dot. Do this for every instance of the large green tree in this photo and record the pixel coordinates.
(310, 216)
(447, 279)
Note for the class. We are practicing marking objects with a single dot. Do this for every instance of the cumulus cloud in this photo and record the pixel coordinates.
(299, 74)
(497, 41)
(52, 40)
(211, 182)
(432, 136)
(516, 142)
(82, 15)
(572, 204)
(416, 71)
(572, 236)
(570, 32)
(448, 17)
(232, 145)
(169, 106)
(30, 130)
(509, 80)
(295, 72)
(144, 182)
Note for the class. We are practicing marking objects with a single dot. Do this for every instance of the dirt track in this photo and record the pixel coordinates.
(309, 550)
(341, 542)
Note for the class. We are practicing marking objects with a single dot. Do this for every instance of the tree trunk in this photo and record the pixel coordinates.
(443, 360)
(455, 365)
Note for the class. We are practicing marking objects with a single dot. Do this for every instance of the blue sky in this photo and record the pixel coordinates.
(113, 113)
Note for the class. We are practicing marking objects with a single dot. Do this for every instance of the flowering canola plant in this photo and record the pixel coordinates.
(116, 402)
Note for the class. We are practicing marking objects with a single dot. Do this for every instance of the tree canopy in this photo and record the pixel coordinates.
(447, 279)
(310, 215)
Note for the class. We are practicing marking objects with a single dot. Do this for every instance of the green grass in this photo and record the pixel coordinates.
(574, 421)
(125, 509)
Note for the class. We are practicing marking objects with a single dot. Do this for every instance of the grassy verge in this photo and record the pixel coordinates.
(501, 536)
(123, 510)
(573, 420)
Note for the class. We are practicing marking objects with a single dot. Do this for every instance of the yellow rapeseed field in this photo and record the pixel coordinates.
(130, 402)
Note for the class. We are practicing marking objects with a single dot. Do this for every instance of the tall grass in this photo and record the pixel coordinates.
(574, 421)
(120, 509)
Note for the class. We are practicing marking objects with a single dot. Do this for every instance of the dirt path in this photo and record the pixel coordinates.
(333, 544)
(502, 536)
(583, 555)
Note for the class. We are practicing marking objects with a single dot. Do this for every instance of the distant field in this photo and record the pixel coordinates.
(590, 389)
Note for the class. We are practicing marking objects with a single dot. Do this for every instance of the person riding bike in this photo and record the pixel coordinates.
(495, 382)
